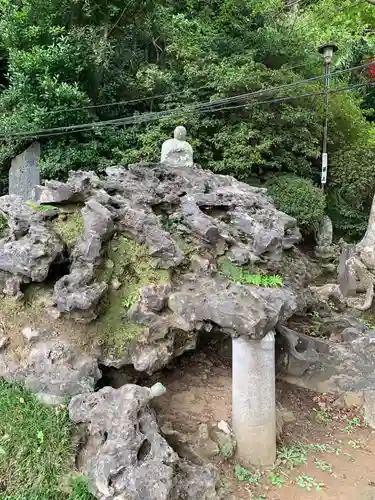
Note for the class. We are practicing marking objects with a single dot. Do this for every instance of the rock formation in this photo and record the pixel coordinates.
(131, 267)
(126, 456)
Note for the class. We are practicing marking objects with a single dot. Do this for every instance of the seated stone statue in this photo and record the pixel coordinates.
(177, 151)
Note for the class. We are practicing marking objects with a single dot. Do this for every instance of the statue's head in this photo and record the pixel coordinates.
(180, 133)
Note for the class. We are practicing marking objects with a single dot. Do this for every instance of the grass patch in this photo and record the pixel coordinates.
(70, 227)
(4, 227)
(35, 449)
(130, 264)
(245, 277)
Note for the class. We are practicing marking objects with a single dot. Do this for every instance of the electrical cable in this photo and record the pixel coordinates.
(272, 89)
(148, 117)
(195, 107)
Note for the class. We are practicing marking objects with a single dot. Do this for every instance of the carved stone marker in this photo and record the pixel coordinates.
(346, 273)
(24, 173)
(177, 151)
(324, 234)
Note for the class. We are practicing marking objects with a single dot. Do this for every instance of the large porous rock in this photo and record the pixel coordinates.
(50, 367)
(237, 309)
(125, 455)
(145, 227)
(30, 248)
(78, 188)
(78, 290)
(344, 364)
(20, 215)
(144, 274)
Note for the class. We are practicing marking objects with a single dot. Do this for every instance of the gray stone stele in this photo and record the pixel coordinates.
(346, 279)
(254, 400)
(24, 174)
(177, 151)
(370, 407)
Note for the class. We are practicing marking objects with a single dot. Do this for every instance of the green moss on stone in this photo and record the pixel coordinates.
(69, 226)
(129, 265)
(3, 226)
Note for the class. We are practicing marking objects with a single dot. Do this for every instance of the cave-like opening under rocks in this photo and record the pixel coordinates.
(59, 268)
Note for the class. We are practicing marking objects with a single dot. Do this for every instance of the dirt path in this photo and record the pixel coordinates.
(335, 444)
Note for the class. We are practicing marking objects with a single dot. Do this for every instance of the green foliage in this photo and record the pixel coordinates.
(35, 448)
(3, 226)
(80, 490)
(240, 275)
(309, 483)
(59, 57)
(350, 197)
(39, 208)
(299, 198)
(128, 263)
(243, 474)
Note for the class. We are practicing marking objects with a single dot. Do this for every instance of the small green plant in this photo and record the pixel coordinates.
(130, 299)
(291, 456)
(259, 280)
(323, 466)
(39, 208)
(167, 223)
(243, 474)
(323, 415)
(239, 275)
(276, 478)
(321, 448)
(354, 422)
(308, 483)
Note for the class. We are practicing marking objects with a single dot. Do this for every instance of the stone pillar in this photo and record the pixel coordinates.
(254, 400)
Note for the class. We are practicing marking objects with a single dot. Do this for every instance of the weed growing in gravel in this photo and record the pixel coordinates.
(323, 466)
(308, 483)
(243, 474)
(291, 456)
(354, 422)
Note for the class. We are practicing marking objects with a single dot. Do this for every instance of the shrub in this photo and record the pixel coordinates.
(351, 189)
(299, 198)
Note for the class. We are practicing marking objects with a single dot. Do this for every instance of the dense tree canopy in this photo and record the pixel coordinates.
(65, 62)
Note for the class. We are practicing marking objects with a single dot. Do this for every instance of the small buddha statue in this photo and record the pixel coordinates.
(177, 152)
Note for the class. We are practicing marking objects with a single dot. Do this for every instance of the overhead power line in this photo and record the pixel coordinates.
(157, 96)
(148, 117)
(195, 107)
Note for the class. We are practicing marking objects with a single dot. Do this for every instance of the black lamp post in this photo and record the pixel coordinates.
(327, 49)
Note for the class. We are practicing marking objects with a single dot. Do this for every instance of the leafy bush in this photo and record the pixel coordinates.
(299, 198)
(351, 189)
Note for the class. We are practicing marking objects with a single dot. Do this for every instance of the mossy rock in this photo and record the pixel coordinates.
(131, 267)
(4, 227)
(70, 227)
